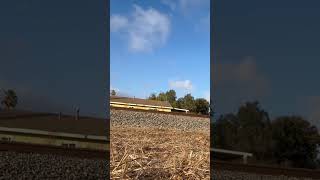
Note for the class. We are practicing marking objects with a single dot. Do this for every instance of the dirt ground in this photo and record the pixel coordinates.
(148, 153)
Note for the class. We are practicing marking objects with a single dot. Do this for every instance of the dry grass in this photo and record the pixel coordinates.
(145, 153)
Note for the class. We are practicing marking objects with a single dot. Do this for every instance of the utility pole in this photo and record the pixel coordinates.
(77, 113)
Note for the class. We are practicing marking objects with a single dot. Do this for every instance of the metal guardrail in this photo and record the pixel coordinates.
(57, 134)
(244, 155)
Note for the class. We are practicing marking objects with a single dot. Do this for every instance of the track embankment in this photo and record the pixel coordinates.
(155, 145)
(149, 119)
(44, 149)
(225, 170)
(26, 161)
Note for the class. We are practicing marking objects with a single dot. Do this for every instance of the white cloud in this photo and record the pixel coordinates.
(121, 92)
(244, 72)
(185, 85)
(238, 82)
(186, 6)
(118, 22)
(114, 88)
(193, 10)
(146, 29)
(171, 3)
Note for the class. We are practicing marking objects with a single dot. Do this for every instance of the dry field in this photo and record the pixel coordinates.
(149, 153)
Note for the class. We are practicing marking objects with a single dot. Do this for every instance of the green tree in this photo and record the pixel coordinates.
(153, 96)
(188, 103)
(113, 92)
(162, 97)
(248, 130)
(10, 99)
(292, 143)
(179, 103)
(254, 130)
(171, 97)
(285, 139)
(224, 131)
(202, 106)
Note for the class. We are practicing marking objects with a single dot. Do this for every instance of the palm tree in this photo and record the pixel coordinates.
(113, 92)
(10, 99)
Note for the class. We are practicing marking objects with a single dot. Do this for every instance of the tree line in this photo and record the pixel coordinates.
(194, 105)
(287, 140)
(9, 99)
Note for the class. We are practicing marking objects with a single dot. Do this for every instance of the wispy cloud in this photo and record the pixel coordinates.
(171, 3)
(146, 29)
(114, 88)
(192, 10)
(186, 6)
(244, 74)
(121, 92)
(183, 85)
(118, 22)
(235, 83)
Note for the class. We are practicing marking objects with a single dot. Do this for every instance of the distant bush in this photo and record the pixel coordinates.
(285, 139)
(198, 106)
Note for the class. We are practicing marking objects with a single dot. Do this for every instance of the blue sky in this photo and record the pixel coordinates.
(267, 51)
(159, 45)
(53, 54)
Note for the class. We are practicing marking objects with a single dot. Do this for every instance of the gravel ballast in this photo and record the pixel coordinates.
(123, 118)
(233, 175)
(48, 166)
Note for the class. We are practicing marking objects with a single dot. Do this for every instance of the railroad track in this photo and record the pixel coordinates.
(265, 170)
(215, 165)
(45, 149)
(160, 112)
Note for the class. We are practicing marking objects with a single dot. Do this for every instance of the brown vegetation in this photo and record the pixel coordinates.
(149, 153)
